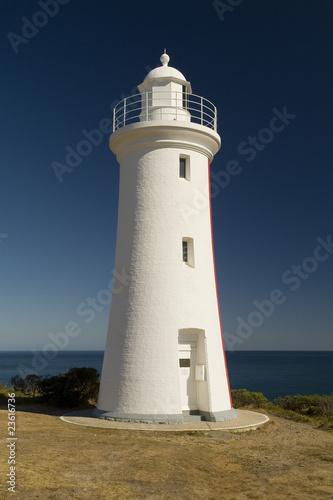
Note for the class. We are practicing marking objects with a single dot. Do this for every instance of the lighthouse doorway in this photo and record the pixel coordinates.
(187, 352)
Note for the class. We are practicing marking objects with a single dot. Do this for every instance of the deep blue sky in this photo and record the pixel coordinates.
(57, 240)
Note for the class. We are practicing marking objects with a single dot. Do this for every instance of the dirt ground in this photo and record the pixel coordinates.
(56, 460)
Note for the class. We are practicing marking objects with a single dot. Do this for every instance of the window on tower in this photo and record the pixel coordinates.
(185, 251)
(188, 251)
(184, 167)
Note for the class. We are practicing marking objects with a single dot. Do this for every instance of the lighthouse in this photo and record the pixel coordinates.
(164, 358)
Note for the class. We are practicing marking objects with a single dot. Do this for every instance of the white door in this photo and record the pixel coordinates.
(188, 385)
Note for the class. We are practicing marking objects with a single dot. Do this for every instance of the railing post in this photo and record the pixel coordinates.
(215, 119)
(124, 111)
(176, 99)
(201, 98)
(114, 119)
(147, 103)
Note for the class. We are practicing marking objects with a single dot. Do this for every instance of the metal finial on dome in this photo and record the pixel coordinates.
(164, 58)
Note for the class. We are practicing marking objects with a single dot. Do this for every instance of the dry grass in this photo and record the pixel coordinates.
(57, 460)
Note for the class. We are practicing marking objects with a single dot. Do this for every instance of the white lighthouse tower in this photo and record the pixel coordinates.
(164, 356)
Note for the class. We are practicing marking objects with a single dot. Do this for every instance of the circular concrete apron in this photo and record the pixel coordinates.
(246, 420)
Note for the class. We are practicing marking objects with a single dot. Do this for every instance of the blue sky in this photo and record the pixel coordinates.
(254, 60)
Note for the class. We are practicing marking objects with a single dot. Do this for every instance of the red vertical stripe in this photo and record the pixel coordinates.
(217, 298)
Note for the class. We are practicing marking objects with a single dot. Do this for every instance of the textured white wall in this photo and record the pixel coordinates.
(140, 371)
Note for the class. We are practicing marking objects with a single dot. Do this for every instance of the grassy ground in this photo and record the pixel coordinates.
(56, 460)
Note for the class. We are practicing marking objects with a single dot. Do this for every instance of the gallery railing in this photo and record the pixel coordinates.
(164, 105)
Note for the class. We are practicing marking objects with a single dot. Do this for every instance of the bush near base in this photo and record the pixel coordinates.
(76, 387)
(303, 408)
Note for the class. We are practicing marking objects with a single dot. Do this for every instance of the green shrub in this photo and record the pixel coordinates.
(17, 383)
(314, 405)
(27, 385)
(76, 387)
(293, 415)
(20, 397)
(3, 395)
(242, 397)
(310, 408)
(326, 406)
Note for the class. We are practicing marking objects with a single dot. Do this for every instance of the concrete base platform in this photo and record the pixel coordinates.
(246, 421)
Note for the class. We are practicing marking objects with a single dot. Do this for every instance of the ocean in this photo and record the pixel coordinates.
(274, 373)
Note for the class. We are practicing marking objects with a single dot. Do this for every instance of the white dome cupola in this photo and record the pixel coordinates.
(165, 73)
(164, 93)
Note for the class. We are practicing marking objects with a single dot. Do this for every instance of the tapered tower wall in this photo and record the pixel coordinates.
(169, 306)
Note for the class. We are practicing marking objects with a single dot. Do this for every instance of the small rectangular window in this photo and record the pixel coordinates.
(184, 363)
(182, 168)
(185, 251)
(188, 252)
